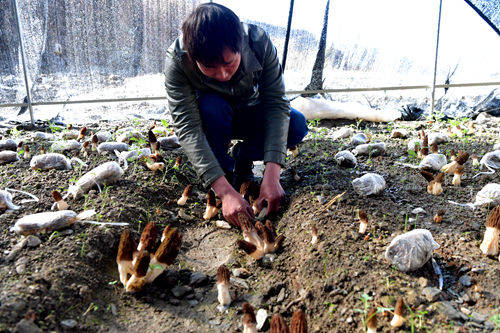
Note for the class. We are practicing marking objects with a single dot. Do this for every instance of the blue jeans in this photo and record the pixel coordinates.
(221, 124)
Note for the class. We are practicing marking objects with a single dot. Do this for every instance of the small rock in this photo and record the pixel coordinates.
(174, 301)
(349, 320)
(20, 269)
(321, 199)
(268, 259)
(423, 282)
(239, 282)
(198, 279)
(85, 292)
(241, 272)
(66, 232)
(68, 323)
(261, 318)
(33, 241)
(478, 318)
(431, 293)
(92, 255)
(465, 310)
(180, 291)
(27, 325)
(281, 296)
(222, 224)
(214, 322)
(419, 210)
(193, 302)
(447, 309)
(478, 270)
(183, 215)
(465, 280)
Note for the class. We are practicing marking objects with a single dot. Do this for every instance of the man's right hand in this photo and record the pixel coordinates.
(232, 202)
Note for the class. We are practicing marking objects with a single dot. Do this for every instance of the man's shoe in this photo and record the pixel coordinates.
(242, 168)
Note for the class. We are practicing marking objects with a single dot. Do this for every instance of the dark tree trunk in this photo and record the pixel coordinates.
(138, 23)
(9, 40)
(317, 71)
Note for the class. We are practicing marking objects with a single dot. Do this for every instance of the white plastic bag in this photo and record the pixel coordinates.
(371, 149)
(369, 184)
(433, 161)
(411, 250)
(345, 159)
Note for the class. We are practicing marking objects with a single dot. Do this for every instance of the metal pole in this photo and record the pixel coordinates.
(25, 70)
(287, 37)
(436, 58)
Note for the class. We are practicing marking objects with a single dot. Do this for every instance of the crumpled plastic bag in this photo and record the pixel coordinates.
(437, 138)
(489, 194)
(359, 139)
(342, 133)
(411, 250)
(369, 184)
(433, 161)
(372, 149)
(169, 142)
(346, 159)
(491, 160)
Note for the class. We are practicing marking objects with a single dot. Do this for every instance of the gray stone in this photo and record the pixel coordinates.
(465, 280)
(66, 232)
(174, 301)
(447, 309)
(261, 318)
(281, 296)
(431, 293)
(214, 322)
(478, 318)
(419, 210)
(239, 282)
(181, 291)
(268, 259)
(193, 302)
(20, 268)
(198, 279)
(33, 241)
(27, 326)
(68, 323)
(241, 272)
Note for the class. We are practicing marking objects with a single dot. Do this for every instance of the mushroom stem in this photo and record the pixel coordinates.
(223, 295)
(185, 195)
(314, 235)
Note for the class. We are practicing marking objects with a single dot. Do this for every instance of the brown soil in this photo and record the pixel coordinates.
(72, 274)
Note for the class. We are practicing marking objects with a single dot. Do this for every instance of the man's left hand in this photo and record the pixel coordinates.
(270, 189)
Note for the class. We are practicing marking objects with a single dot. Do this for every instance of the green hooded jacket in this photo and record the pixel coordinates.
(258, 80)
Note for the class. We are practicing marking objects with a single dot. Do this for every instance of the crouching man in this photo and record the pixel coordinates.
(224, 81)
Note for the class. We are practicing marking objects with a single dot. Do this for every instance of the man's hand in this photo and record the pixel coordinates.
(270, 189)
(232, 202)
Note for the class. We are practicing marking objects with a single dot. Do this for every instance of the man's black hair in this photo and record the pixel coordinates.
(210, 29)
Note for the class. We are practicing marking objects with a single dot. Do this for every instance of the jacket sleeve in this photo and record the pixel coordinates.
(275, 104)
(187, 121)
